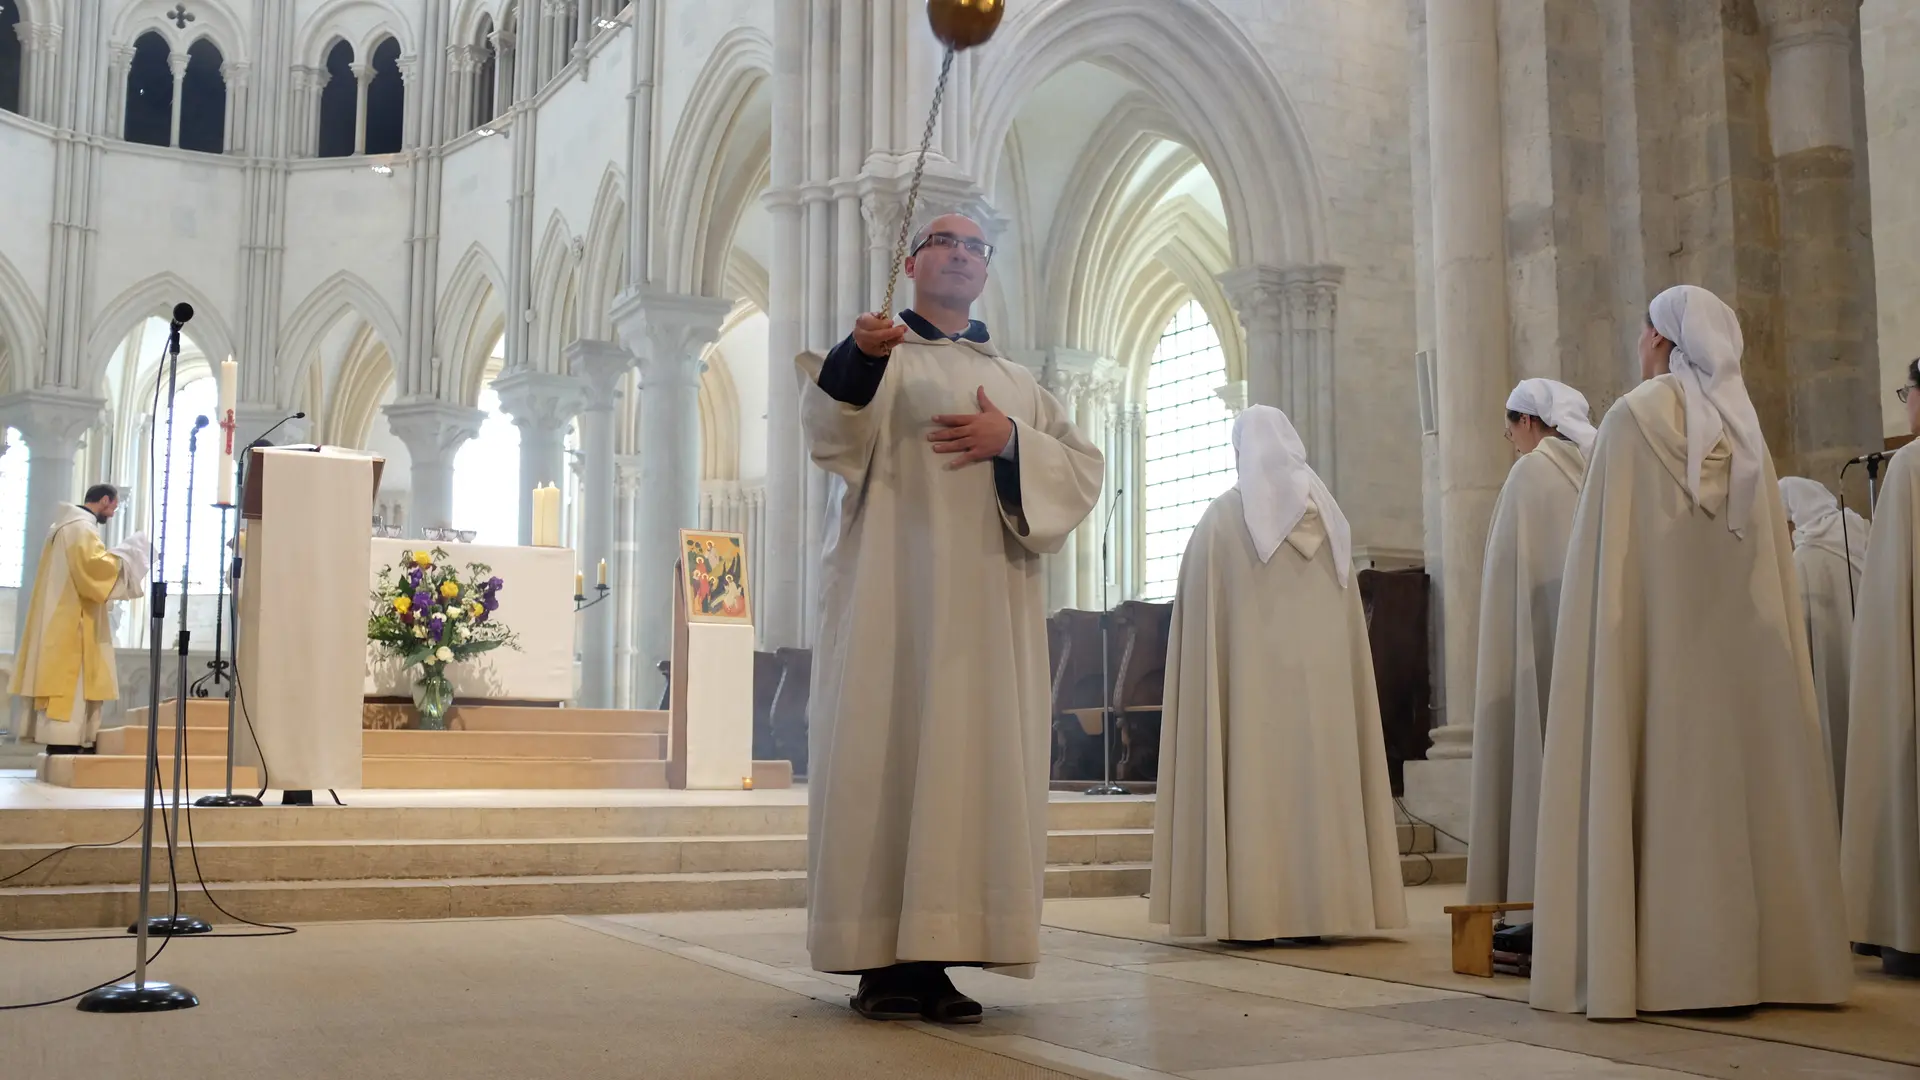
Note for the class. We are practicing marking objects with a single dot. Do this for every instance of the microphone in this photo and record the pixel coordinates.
(1875, 458)
(182, 314)
(261, 440)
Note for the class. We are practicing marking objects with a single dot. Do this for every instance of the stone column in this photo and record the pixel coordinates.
(176, 63)
(542, 406)
(626, 472)
(1470, 325)
(414, 100)
(362, 78)
(503, 60)
(433, 432)
(40, 81)
(52, 423)
(234, 74)
(599, 366)
(1063, 566)
(1829, 343)
(668, 331)
(117, 70)
(300, 108)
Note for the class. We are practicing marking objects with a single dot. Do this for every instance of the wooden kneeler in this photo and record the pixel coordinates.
(1473, 936)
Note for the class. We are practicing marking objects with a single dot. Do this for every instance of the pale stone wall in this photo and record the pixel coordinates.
(1345, 66)
(1890, 44)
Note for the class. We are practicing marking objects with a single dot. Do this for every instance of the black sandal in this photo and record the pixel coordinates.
(879, 1002)
(942, 1003)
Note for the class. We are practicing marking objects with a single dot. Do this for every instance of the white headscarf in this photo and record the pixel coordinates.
(1706, 359)
(1817, 520)
(1276, 484)
(1558, 405)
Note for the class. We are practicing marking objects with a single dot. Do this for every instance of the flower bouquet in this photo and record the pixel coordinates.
(424, 614)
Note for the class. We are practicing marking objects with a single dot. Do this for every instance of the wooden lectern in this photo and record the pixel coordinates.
(302, 650)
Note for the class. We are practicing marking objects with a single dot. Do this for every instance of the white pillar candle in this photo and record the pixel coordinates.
(228, 374)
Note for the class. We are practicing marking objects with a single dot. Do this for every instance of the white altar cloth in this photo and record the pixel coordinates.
(536, 601)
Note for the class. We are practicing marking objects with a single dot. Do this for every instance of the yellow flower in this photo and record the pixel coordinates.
(475, 610)
(401, 604)
(449, 590)
(422, 558)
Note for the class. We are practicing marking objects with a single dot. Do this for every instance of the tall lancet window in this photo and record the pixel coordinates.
(203, 100)
(485, 73)
(1189, 442)
(150, 93)
(339, 103)
(12, 54)
(386, 100)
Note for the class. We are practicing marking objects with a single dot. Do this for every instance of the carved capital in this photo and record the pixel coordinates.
(668, 331)
(361, 72)
(122, 56)
(433, 430)
(177, 63)
(539, 402)
(407, 65)
(45, 38)
(599, 365)
(235, 72)
(52, 422)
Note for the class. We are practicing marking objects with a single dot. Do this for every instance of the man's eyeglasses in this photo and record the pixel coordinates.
(1903, 392)
(979, 249)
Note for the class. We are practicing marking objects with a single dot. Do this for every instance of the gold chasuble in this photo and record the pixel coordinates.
(927, 799)
(65, 658)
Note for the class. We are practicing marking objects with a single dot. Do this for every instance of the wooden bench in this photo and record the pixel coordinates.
(1473, 936)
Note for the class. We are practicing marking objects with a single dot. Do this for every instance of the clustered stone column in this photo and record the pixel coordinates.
(40, 79)
(239, 105)
(1288, 315)
(362, 78)
(53, 423)
(600, 367)
(626, 661)
(121, 66)
(542, 406)
(177, 64)
(668, 331)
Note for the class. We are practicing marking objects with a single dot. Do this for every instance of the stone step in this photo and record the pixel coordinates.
(536, 718)
(132, 740)
(19, 755)
(618, 746)
(348, 860)
(203, 773)
(422, 772)
(201, 713)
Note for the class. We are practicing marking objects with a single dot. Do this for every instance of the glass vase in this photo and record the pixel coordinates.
(432, 697)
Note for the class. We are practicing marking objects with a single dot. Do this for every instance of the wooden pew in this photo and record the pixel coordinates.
(1073, 645)
(766, 680)
(1396, 605)
(1140, 630)
(787, 714)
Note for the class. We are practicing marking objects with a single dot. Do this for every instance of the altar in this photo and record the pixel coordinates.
(536, 601)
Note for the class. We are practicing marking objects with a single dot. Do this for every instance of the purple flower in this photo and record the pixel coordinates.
(493, 584)
(422, 599)
(415, 577)
(437, 626)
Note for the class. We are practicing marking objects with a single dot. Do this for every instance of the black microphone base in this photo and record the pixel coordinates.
(172, 926)
(128, 998)
(1106, 789)
(226, 800)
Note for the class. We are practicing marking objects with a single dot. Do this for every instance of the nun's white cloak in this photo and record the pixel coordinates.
(1273, 816)
(1829, 555)
(1880, 842)
(1688, 846)
(1519, 605)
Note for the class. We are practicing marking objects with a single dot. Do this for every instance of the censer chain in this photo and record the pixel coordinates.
(913, 189)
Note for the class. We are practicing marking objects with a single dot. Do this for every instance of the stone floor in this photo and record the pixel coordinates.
(1105, 1006)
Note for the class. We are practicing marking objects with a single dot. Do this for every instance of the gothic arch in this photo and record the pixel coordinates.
(154, 296)
(555, 296)
(720, 404)
(360, 23)
(213, 20)
(365, 374)
(716, 165)
(471, 318)
(603, 268)
(1176, 258)
(21, 331)
(1227, 102)
(341, 295)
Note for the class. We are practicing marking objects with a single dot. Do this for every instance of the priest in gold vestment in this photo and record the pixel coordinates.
(1688, 854)
(951, 471)
(64, 662)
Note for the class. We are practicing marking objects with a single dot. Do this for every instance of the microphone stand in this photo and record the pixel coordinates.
(140, 995)
(1106, 785)
(1873, 469)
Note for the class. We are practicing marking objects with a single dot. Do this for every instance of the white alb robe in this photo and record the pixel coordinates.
(1519, 606)
(927, 792)
(1880, 830)
(1273, 815)
(1688, 853)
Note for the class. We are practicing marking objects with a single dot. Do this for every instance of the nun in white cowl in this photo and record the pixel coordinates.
(1519, 606)
(1687, 854)
(1273, 817)
(1829, 555)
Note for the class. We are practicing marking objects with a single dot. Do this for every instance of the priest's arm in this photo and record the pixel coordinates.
(1049, 479)
(835, 392)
